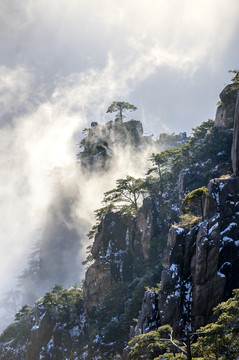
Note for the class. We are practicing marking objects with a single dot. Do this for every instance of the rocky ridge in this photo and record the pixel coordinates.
(200, 265)
(199, 269)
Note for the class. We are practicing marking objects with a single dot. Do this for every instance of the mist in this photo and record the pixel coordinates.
(44, 194)
(61, 66)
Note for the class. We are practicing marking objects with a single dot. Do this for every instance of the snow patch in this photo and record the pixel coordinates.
(231, 226)
(127, 238)
(220, 274)
(174, 269)
(74, 332)
(221, 186)
(179, 230)
(226, 239)
(214, 227)
(35, 327)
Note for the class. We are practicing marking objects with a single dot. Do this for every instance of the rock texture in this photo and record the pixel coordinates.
(225, 111)
(102, 141)
(120, 251)
(149, 316)
(235, 144)
(200, 265)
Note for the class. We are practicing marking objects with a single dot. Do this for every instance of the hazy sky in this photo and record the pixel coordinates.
(169, 58)
(62, 63)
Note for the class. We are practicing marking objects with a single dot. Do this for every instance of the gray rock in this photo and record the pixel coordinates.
(235, 144)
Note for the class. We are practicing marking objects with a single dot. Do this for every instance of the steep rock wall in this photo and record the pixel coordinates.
(225, 111)
(200, 265)
(235, 144)
(120, 250)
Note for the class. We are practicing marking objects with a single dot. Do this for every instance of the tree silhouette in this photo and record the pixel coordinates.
(120, 107)
(127, 192)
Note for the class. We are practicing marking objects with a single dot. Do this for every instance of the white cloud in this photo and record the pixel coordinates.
(63, 62)
(15, 85)
(74, 31)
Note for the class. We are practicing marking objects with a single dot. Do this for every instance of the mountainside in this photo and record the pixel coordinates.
(155, 260)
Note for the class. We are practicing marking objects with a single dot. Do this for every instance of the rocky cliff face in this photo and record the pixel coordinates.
(197, 267)
(227, 116)
(235, 144)
(200, 266)
(200, 258)
(58, 259)
(120, 250)
(225, 111)
(102, 141)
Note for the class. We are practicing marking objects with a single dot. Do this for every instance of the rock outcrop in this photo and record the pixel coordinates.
(149, 316)
(102, 141)
(225, 111)
(235, 144)
(120, 250)
(200, 265)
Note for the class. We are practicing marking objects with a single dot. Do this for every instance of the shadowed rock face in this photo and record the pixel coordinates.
(120, 250)
(102, 141)
(149, 316)
(225, 111)
(235, 144)
(201, 265)
(39, 338)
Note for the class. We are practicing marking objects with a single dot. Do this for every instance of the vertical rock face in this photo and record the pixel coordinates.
(120, 250)
(102, 141)
(208, 283)
(149, 316)
(112, 250)
(203, 259)
(225, 111)
(235, 144)
(40, 337)
(200, 265)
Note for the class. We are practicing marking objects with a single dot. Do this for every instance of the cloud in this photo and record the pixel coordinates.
(62, 63)
(65, 62)
(36, 142)
(56, 36)
(61, 38)
(163, 44)
(15, 85)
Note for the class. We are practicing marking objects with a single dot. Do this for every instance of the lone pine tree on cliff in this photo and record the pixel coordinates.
(120, 107)
(128, 191)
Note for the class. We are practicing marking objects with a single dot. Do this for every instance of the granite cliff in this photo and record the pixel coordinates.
(186, 268)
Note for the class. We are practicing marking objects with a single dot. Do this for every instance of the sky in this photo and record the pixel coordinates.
(63, 62)
(168, 58)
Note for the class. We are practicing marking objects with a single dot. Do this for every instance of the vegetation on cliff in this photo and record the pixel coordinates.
(217, 340)
(129, 253)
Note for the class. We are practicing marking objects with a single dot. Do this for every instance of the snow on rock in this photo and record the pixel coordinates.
(230, 227)
(220, 274)
(174, 269)
(214, 227)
